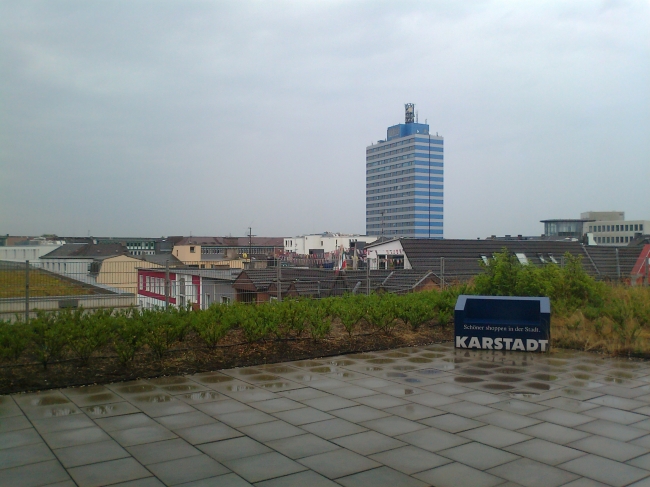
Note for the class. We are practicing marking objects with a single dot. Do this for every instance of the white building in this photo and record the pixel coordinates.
(21, 253)
(611, 228)
(325, 242)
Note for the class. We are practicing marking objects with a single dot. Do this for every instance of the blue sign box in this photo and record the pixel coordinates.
(503, 323)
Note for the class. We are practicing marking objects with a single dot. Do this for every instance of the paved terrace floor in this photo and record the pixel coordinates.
(408, 417)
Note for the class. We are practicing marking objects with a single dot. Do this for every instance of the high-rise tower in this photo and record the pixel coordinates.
(404, 181)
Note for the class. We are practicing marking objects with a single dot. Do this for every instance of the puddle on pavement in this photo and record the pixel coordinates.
(429, 371)
(445, 366)
(136, 389)
(275, 385)
(457, 360)
(215, 379)
(55, 412)
(107, 410)
(432, 355)
(341, 362)
(497, 387)
(403, 392)
(154, 398)
(48, 401)
(264, 377)
(181, 388)
(202, 396)
(361, 355)
(381, 361)
(616, 380)
(467, 380)
(510, 370)
(395, 374)
(239, 388)
(419, 360)
(412, 380)
(403, 367)
(540, 386)
(486, 365)
(86, 390)
(308, 377)
(344, 375)
(584, 384)
(396, 354)
(409, 350)
(308, 363)
(372, 369)
(585, 368)
(624, 365)
(475, 372)
(249, 371)
(556, 361)
(523, 395)
(166, 381)
(437, 348)
(582, 376)
(506, 378)
(104, 397)
(620, 373)
(546, 377)
(323, 370)
(279, 369)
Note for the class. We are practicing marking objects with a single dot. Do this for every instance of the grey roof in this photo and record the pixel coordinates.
(462, 257)
(161, 259)
(233, 241)
(86, 251)
(327, 282)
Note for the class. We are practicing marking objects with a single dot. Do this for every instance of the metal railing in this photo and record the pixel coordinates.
(27, 287)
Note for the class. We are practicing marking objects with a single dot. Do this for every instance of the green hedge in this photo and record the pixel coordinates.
(79, 334)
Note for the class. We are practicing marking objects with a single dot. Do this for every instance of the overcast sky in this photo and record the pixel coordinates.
(154, 118)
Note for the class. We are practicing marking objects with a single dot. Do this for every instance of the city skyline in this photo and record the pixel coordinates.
(202, 118)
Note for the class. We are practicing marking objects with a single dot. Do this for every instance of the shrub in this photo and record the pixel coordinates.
(381, 312)
(210, 326)
(88, 332)
(14, 339)
(128, 335)
(350, 310)
(50, 335)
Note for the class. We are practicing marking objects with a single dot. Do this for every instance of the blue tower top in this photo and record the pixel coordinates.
(404, 129)
(410, 127)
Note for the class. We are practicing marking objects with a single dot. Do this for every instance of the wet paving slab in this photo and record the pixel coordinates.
(429, 415)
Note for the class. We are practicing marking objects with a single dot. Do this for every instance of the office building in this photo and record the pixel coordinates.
(405, 181)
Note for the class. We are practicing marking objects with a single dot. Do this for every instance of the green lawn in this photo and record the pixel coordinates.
(12, 285)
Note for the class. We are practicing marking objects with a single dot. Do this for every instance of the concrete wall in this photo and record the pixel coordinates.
(21, 253)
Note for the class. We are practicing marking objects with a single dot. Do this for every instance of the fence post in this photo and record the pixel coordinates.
(26, 291)
(167, 284)
(279, 278)
(442, 272)
(367, 277)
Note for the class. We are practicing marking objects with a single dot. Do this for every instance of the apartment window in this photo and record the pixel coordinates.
(141, 282)
(641, 227)
(225, 300)
(618, 228)
(191, 250)
(617, 241)
(627, 239)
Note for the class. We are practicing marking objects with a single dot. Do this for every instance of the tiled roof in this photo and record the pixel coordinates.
(86, 251)
(233, 241)
(462, 257)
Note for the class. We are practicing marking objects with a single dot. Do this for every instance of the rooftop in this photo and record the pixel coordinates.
(428, 415)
